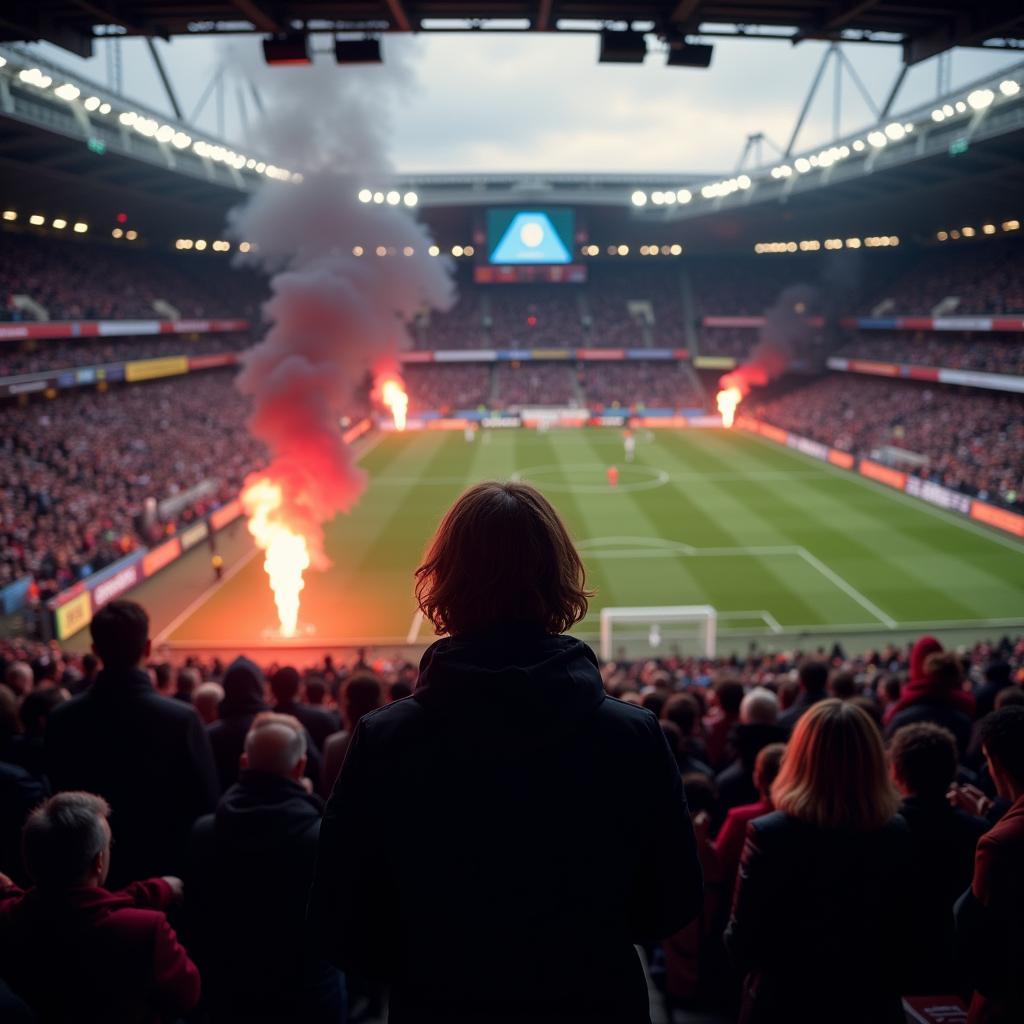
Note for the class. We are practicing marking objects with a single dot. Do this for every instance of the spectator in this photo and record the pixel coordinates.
(250, 936)
(934, 693)
(207, 700)
(508, 746)
(924, 765)
(990, 915)
(163, 677)
(758, 726)
(842, 685)
(824, 878)
(27, 748)
(727, 695)
(813, 678)
(20, 794)
(243, 701)
(683, 711)
(319, 723)
(147, 755)
(90, 670)
(118, 959)
(997, 679)
(187, 680)
(19, 678)
(733, 833)
(362, 694)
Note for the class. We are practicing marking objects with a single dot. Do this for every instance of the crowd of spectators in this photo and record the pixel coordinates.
(533, 383)
(17, 357)
(536, 316)
(76, 279)
(727, 341)
(990, 353)
(84, 474)
(210, 779)
(443, 387)
(638, 384)
(972, 441)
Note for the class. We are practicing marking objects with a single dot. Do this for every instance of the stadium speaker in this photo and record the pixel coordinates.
(357, 51)
(622, 48)
(689, 55)
(289, 49)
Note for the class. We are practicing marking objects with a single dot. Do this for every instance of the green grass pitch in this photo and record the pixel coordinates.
(779, 544)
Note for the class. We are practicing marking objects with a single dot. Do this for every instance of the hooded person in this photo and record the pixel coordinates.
(244, 689)
(933, 693)
(249, 937)
(546, 821)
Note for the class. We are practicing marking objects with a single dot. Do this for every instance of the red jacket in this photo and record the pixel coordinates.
(998, 887)
(86, 954)
(730, 839)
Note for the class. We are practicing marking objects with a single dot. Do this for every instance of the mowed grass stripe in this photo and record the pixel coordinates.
(936, 568)
(849, 536)
(725, 513)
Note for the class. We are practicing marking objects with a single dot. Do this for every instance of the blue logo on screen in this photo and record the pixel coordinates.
(531, 238)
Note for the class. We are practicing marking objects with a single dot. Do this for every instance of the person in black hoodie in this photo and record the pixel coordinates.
(758, 726)
(319, 722)
(496, 844)
(147, 755)
(243, 701)
(250, 868)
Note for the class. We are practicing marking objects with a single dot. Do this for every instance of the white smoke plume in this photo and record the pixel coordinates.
(332, 315)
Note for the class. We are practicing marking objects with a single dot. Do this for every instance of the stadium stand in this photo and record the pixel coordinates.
(971, 441)
(1003, 353)
(72, 279)
(444, 387)
(80, 471)
(519, 384)
(639, 383)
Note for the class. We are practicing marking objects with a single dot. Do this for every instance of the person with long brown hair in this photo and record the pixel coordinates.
(497, 843)
(823, 902)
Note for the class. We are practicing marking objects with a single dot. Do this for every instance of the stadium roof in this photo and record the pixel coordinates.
(923, 28)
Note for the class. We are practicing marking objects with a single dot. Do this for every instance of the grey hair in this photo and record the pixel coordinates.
(759, 707)
(63, 837)
(19, 671)
(275, 743)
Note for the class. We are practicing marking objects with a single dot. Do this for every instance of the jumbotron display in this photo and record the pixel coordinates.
(539, 237)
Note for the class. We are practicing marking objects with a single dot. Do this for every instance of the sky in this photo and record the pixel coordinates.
(462, 103)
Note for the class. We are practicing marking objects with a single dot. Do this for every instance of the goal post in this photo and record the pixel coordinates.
(647, 632)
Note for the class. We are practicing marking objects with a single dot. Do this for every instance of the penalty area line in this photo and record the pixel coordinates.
(205, 596)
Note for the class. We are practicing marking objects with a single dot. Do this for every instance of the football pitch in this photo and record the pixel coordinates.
(782, 546)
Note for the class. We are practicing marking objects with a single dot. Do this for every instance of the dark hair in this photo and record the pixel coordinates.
(843, 685)
(162, 673)
(120, 631)
(62, 837)
(654, 701)
(362, 695)
(730, 695)
(701, 794)
(501, 555)
(315, 689)
(1008, 696)
(36, 708)
(924, 758)
(399, 691)
(813, 675)
(766, 766)
(682, 710)
(1002, 736)
(673, 736)
(90, 663)
(284, 684)
(787, 693)
(187, 681)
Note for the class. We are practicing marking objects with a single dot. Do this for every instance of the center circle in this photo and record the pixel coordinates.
(531, 234)
(591, 478)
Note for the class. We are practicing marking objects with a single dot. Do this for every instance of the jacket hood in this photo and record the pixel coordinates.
(263, 811)
(925, 645)
(243, 689)
(531, 686)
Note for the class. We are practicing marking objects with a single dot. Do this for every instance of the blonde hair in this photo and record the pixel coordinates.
(834, 772)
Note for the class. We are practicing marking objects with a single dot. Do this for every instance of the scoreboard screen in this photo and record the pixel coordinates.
(530, 237)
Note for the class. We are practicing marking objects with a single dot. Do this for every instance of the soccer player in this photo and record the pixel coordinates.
(629, 444)
(613, 476)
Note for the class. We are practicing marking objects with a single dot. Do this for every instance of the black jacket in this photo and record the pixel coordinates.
(736, 783)
(804, 700)
(497, 842)
(941, 713)
(944, 840)
(821, 922)
(148, 756)
(250, 869)
(318, 722)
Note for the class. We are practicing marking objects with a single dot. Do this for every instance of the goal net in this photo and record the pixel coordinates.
(631, 633)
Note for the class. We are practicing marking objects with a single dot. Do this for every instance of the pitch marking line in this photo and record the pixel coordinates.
(650, 547)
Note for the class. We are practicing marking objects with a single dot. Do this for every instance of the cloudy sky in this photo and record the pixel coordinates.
(480, 102)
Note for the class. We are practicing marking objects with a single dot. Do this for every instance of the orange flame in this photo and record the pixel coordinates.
(727, 400)
(286, 552)
(395, 397)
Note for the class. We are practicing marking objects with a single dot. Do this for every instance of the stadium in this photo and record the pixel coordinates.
(247, 367)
